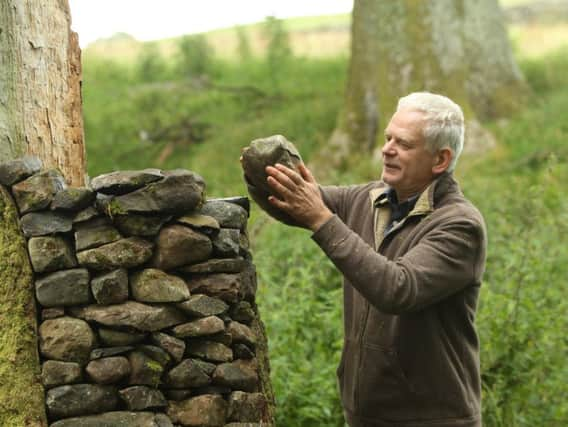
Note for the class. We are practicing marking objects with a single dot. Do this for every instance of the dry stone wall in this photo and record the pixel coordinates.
(146, 295)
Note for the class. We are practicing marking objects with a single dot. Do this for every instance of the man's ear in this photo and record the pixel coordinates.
(442, 161)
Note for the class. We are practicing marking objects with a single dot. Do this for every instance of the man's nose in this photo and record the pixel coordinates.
(388, 149)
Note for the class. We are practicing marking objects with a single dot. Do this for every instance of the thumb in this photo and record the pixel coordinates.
(306, 174)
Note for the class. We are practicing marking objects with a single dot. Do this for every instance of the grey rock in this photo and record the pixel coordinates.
(140, 225)
(85, 215)
(144, 370)
(153, 285)
(226, 243)
(36, 192)
(117, 419)
(52, 313)
(202, 411)
(132, 314)
(229, 215)
(94, 233)
(210, 350)
(203, 306)
(241, 351)
(224, 265)
(124, 253)
(55, 373)
(242, 334)
(108, 370)
(190, 373)
(248, 283)
(140, 398)
(63, 288)
(112, 337)
(72, 199)
(44, 223)
(122, 182)
(179, 192)
(261, 153)
(174, 346)
(200, 327)
(17, 170)
(239, 375)
(111, 288)
(99, 353)
(243, 312)
(204, 223)
(242, 201)
(211, 389)
(179, 245)
(80, 399)
(224, 286)
(178, 394)
(246, 407)
(156, 353)
(222, 337)
(50, 254)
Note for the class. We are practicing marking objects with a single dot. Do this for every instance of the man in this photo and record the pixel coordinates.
(412, 252)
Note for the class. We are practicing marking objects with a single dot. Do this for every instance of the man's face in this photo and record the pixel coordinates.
(407, 164)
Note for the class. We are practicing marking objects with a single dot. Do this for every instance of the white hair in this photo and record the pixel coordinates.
(444, 122)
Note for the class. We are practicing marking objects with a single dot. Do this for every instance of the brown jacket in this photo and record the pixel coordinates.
(411, 352)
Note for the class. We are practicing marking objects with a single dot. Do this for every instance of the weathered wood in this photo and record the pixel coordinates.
(40, 79)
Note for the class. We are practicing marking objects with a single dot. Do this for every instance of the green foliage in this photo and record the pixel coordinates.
(194, 56)
(519, 187)
(278, 51)
(150, 64)
(243, 48)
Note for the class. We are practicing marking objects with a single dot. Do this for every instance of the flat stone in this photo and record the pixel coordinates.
(203, 306)
(55, 373)
(179, 245)
(242, 201)
(229, 215)
(242, 351)
(179, 192)
(112, 337)
(190, 373)
(44, 223)
(50, 254)
(140, 225)
(144, 370)
(223, 337)
(246, 407)
(124, 253)
(153, 285)
(248, 283)
(226, 243)
(156, 353)
(200, 327)
(222, 286)
(239, 375)
(99, 353)
(132, 314)
(52, 313)
(36, 192)
(243, 312)
(73, 199)
(94, 233)
(122, 182)
(140, 398)
(111, 287)
(174, 346)
(223, 265)
(242, 334)
(117, 419)
(202, 411)
(63, 288)
(85, 215)
(204, 223)
(210, 350)
(17, 170)
(80, 399)
(108, 370)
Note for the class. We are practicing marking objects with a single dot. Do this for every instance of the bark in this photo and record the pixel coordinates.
(40, 79)
(458, 48)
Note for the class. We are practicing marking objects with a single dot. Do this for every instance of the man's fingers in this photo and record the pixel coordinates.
(293, 175)
(306, 174)
(277, 186)
(281, 177)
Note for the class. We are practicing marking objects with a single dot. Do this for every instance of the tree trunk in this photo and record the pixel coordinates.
(458, 48)
(40, 114)
(40, 79)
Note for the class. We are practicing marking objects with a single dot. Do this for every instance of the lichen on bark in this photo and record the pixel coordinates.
(21, 393)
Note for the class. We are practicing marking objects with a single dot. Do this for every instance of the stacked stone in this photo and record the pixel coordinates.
(146, 294)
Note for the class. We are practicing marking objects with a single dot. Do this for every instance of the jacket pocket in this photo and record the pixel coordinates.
(346, 375)
(383, 390)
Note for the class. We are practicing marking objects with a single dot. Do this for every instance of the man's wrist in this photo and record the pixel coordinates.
(321, 220)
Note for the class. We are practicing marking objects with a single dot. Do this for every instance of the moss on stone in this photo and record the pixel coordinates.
(21, 393)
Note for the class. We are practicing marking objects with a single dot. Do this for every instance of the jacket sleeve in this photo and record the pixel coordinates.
(447, 259)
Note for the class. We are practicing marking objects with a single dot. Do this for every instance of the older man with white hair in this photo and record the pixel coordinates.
(411, 249)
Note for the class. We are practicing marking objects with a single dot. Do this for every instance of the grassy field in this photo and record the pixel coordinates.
(136, 119)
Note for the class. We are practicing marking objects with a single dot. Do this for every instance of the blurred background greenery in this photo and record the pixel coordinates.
(193, 102)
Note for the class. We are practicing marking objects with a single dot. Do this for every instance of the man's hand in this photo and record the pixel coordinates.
(298, 195)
